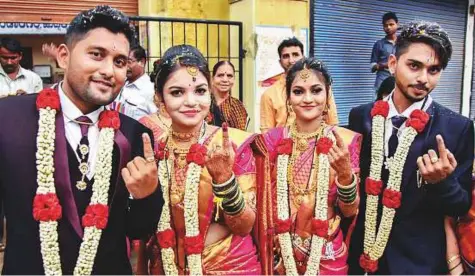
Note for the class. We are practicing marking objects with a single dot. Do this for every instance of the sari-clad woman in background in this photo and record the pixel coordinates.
(207, 175)
(224, 107)
(313, 184)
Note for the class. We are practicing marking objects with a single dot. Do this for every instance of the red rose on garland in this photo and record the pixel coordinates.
(197, 155)
(166, 239)
(320, 227)
(282, 226)
(324, 145)
(161, 152)
(368, 265)
(380, 108)
(46, 207)
(48, 98)
(418, 120)
(194, 245)
(392, 199)
(373, 187)
(96, 215)
(109, 118)
(285, 146)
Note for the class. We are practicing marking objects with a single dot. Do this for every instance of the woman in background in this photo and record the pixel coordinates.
(224, 107)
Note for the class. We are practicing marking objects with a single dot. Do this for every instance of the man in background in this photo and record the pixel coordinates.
(274, 111)
(136, 98)
(14, 79)
(383, 48)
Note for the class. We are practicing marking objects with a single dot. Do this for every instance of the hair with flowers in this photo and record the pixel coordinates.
(100, 17)
(428, 33)
(176, 57)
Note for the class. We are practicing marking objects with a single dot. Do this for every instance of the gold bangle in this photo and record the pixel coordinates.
(453, 258)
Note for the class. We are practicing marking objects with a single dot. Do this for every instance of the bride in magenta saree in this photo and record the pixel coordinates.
(307, 183)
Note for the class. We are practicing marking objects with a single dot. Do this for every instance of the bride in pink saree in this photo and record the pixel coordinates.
(207, 176)
(307, 183)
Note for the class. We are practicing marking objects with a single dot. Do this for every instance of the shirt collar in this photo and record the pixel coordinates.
(71, 111)
(406, 113)
(139, 83)
(21, 72)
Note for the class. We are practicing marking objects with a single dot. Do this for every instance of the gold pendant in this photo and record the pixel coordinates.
(81, 185)
(181, 161)
(302, 144)
(298, 200)
(175, 199)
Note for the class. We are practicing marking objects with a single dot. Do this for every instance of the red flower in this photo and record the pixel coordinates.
(48, 98)
(46, 207)
(418, 120)
(166, 239)
(370, 266)
(161, 152)
(197, 154)
(282, 226)
(194, 245)
(96, 215)
(285, 146)
(373, 187)
(380, 108)
(392, 199)
(320, 227)
(324, 145)
(109, 118)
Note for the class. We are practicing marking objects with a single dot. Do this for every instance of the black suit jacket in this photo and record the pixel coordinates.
(417, 242)
(135, 218)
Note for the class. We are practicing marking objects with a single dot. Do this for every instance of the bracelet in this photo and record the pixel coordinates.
(223, 186)
(453, 258)
(348, 200)
(348, 192)
(232, 202)
(347, 187)
(455, 266)
(235, 211)
(227, 193)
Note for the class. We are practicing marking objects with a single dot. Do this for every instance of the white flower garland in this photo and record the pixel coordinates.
(45, 178)
(394, 183)
(191, 215)
(375, 243)
(321, 212)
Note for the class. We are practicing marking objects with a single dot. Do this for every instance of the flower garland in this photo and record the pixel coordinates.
(319, 222)
(375, 242)
(46, 206)
(194, 243)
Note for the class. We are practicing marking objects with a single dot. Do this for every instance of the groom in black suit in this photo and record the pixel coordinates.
(94, 59)
(436, 177)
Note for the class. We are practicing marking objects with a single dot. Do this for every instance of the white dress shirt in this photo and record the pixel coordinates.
(73, 131)
(136, 98)
(25, 80)
(406, 113)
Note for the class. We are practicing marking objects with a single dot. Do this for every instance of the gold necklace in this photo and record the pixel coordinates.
(301, 139)
(179, 152)
(184, 137)
(298, 193)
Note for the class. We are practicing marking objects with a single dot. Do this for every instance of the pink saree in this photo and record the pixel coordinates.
(335, 253)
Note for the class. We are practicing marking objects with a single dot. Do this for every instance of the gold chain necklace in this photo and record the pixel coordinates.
(298, 193)
(301, 139)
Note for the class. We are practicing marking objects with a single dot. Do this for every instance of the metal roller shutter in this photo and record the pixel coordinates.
(56, 11)
(344, 32)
